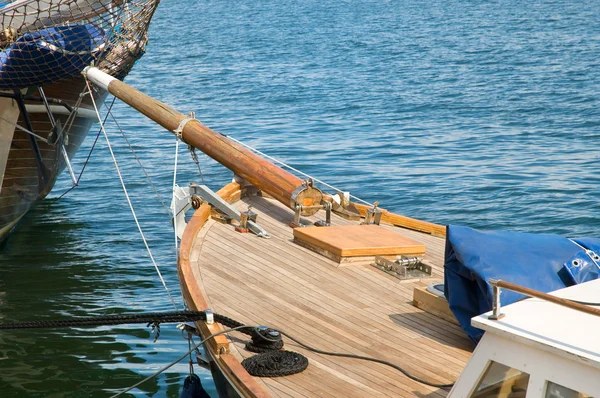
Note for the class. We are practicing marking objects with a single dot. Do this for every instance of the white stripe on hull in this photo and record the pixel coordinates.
(61, 110)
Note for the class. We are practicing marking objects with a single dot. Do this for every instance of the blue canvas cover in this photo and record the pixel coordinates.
(543, 262)
(50, 55)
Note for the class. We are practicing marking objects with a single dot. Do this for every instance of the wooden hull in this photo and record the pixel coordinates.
(30, 172)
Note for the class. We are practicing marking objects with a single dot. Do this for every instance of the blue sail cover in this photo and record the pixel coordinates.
(50, 55)
(543, 262)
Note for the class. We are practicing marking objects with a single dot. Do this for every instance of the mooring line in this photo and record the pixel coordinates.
(128, 198)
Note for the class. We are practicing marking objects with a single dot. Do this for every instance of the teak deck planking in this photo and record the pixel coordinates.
(355, 309)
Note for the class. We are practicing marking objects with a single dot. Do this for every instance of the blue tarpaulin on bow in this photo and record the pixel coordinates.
(50, 55)
(543, 262)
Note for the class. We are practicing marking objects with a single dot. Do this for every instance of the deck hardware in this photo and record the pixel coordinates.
(305, 195)
(180, 204)
(405, 267)
(196, 202)
(327, 222)
(496, 306)
(210, 317)
(57, 133)
(373, 215)
(206, 194)
(246, 216)
(188, 328)
(342, 206)
(302, 210)
(296, 222)
(179, 130)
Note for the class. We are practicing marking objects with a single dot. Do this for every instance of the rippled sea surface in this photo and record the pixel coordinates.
(477, 113)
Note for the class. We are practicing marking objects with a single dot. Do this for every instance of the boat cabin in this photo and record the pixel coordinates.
(536, 349)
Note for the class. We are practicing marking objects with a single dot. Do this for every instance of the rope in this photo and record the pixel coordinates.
(590, 253)
(155, 319)
(108, 320)
(294, 169)
(275, 364)
(381, 361)
(128, 199)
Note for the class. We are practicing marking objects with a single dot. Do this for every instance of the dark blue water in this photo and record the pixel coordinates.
(476, 113)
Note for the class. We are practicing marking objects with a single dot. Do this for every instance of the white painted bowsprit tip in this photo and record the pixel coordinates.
(98, 77)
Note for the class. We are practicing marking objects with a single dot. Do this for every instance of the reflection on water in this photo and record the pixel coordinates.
(57, 266)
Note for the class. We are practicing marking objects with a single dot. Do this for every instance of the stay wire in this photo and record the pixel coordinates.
(371, 359)
(129, 199)
(181, 358)
(174, 209)
(89, 154)
(197, 161)
(292, 168)
(23, 129)
(138, 160)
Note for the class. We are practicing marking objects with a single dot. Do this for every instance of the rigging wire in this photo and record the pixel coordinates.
(15, 125)
(138, 160)
(89, 154)
(195, 159)
(128, 198)
(293, 169)
(181, 358)
(173, 202)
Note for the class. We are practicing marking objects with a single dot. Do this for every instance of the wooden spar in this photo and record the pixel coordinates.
(280, 184)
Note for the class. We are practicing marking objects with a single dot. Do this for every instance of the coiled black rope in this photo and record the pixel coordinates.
(275, 364)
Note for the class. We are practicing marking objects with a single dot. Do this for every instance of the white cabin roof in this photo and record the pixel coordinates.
(551, 327)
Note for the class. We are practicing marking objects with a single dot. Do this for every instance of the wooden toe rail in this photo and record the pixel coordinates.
(217, 347)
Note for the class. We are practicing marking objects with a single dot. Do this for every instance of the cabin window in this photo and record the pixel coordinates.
(501, 381)
(554, 390)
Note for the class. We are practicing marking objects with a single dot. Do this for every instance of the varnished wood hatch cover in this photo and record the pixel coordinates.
(340, 242)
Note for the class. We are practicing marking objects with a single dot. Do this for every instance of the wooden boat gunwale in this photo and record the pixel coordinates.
(217, 347)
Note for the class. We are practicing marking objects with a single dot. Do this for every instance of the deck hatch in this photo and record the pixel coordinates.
(350, 243)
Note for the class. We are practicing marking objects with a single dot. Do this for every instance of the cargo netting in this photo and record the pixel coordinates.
(45, 41)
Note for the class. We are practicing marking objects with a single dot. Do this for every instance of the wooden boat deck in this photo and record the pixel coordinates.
(350, 308)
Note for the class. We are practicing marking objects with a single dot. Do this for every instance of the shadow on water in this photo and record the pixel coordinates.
(49, 270)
